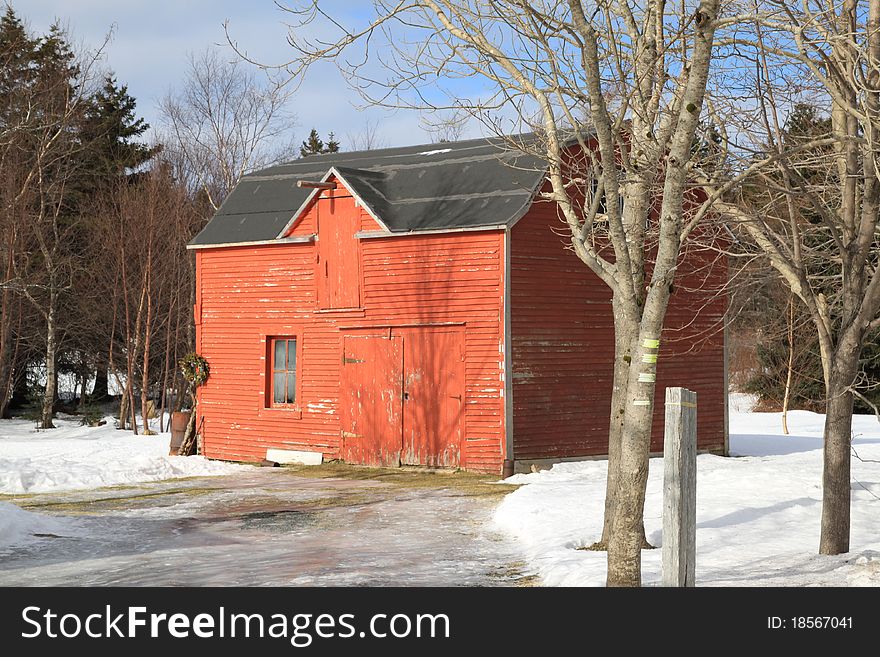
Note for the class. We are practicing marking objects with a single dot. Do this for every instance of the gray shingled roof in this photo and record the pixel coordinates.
(465, 184)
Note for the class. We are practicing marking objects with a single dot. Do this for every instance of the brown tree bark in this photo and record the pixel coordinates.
(101, 389)
(790, 369)
(6, 339)
(145, 374)
(47, 413)
(836, 453)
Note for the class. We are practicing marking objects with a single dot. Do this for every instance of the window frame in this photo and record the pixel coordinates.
(268, 371)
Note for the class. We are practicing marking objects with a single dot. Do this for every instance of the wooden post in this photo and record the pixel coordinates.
(680, 488)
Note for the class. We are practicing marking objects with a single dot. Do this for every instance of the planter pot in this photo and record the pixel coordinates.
(179, 421)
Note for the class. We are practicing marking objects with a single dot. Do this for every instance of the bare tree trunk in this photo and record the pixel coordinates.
(102, 389)
(84, 374)
(111, 365)
(7, 378)
(836, 480)
(622, 363)
(6, 337)
(132, 350)
(145, 375)
(177, 394)
(167, 365)
(6, 359)
(13, 375)
(51, 379)
(131, 358)
(190, 324)
(123, 407)
(78, 387)
(787, 395)
(622, 360)
(627, 528)
(132, 410)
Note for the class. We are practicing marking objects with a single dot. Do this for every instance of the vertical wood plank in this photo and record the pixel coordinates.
(680, 488)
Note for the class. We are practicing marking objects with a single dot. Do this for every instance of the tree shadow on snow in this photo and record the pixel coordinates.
(741, 516)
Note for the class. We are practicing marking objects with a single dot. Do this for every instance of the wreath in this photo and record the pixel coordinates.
(195, 369)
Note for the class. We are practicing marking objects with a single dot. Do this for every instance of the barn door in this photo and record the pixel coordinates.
(433, 392)
(371, 412)
(338, 265)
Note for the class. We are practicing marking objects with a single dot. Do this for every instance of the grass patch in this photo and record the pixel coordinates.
(465, 483)
(513, 573)
(21, 498)
(108, 503)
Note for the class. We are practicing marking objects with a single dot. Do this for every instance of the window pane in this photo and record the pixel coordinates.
(278, 388)
(279, 354)
(291, 387)
(291, 355)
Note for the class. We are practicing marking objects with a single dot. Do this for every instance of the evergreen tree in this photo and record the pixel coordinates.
(314, 145)
(17, 66)
(110, 130)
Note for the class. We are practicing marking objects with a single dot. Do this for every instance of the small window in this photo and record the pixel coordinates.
(283, 380)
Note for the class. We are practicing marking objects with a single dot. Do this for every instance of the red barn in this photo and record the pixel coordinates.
(423, 311)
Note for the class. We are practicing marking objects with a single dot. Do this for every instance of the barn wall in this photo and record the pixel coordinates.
(562, 334)
(248, 293)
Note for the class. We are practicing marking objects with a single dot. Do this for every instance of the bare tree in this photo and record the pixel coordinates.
(639, 72)
(444, 126)
(367, 139)
(820, 215)
(145, 225)
(226, 120)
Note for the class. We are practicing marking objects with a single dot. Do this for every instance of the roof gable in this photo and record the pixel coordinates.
(351, 181)
(459, 185)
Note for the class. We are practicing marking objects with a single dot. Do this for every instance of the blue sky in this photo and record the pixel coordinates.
(151, 39)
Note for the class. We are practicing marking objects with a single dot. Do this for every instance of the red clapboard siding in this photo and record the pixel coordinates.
(247, 293)
(562, 333)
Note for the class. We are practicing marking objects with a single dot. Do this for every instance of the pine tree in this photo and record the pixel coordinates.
(17, 69)
(111, 129)
(314, 145)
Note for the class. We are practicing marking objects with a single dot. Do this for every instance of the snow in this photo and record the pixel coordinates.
(19, 527)
(439, 151)
(74, 457)
(758, 514)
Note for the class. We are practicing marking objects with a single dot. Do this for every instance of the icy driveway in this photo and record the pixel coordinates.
(266, 527)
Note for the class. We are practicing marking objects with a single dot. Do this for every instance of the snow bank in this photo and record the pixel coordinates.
(18, 526)
(74, 457)
(757, 515)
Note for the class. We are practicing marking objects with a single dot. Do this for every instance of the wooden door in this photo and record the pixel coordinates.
(371, 412)
(338, 266)
(433, 393)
